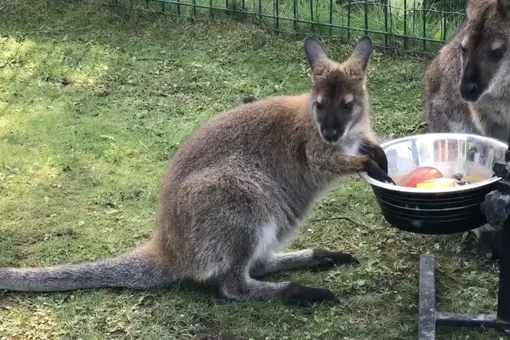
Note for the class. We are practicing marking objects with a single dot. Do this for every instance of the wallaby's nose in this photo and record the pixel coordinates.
(331, 135)
(470, 91)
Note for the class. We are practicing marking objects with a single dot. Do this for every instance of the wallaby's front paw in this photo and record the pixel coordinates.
(375, 172)
(375, 152)
(300, 295)
(330, 259)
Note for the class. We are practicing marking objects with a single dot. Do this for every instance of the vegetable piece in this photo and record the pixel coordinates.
(422, 174)
(437, 183)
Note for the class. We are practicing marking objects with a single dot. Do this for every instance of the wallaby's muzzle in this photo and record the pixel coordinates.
(470, 91)
(470, 85)
(331, 128)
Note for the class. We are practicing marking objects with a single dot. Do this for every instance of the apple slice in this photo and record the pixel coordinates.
(438, 183)
(422, 174)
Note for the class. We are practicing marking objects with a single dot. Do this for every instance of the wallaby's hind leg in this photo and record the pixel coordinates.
(309, 258)
(241, 287)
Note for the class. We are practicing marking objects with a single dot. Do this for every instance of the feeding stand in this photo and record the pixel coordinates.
(497, 209)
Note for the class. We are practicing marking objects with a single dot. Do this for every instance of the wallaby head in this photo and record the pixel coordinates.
(484, 46)
(339, 98)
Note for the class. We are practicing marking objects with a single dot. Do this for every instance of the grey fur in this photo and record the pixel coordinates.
(464, 57)
(130, 271)
(236, 192)
(446, 110)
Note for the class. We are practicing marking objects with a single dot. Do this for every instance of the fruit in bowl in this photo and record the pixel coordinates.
(427, 177)
(422, 174)
(438, 183)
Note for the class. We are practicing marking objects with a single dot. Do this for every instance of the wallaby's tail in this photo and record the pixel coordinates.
(137, 270)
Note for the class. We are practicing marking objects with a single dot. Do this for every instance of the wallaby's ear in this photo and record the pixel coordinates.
(314, 52)
(362, 52)
(504, 7)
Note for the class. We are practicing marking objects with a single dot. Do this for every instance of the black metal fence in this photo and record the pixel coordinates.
(405, 25)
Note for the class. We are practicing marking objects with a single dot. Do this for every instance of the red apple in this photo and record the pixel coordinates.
(422, 174)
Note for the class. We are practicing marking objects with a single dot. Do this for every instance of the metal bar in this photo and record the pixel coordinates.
(311, 15)
(470, 320)
(366, 17)
(414, 17)
(386, 4)
(349, 20)
(424, 18)
(331, 17)
(427, 299)
(507, 153)
(296, 18)
(443, 33)
(405, 24)
(504, 275)
(390, 7)
(277, 17)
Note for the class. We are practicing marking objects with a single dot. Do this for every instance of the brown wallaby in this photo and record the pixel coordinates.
(468, 84)
(238, 189)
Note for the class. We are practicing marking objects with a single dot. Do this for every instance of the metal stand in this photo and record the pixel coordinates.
(497, 209)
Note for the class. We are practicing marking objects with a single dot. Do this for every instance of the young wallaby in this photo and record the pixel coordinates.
(468, 84)
(237, 190)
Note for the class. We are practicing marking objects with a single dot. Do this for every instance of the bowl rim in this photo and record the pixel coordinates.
(469, 187)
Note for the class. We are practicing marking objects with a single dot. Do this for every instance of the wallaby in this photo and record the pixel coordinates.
(468, 84)
(238, 189)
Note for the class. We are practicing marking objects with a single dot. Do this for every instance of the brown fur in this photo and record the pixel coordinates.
(238, 189)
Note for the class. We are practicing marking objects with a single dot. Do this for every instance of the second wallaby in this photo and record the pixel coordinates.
(468, 87)
(238, 189)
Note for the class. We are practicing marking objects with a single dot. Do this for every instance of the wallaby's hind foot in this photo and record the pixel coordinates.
(244, 288)
(296, 294)
(320, 259)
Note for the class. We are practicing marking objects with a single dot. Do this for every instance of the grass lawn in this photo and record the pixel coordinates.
(94, 102)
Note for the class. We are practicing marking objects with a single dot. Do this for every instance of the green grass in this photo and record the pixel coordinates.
(94, 102)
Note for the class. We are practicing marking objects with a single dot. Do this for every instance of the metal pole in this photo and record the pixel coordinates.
(504, 263)
(427, 299)
(504, 275)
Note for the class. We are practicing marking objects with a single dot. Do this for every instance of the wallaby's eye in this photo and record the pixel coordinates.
(319, 106)
(496, 55)
(463, 50)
